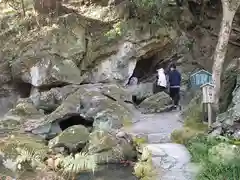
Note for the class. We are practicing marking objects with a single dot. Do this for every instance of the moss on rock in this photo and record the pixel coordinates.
(156, 103)
(108, 148)
(144, 169)
(20, 148)
(182, 136)
(73, 138)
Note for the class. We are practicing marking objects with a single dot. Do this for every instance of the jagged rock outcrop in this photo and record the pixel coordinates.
(156, 103)
(92, 104)
(73, 138)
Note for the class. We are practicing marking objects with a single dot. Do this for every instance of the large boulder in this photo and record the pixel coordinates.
(23, 111)
(45, 70)
(72, 138)
(50, 100)
(21, 116)
(8, 98)
(156, 103)
(233, 112)
(117, 68)
(228, 85)
(98, 103)
(141, 91)
(65, 44)
(108, 148)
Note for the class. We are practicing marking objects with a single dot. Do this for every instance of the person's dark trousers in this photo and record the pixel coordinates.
(175, 95)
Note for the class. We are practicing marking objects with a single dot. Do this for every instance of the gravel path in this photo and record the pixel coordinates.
(172, 160)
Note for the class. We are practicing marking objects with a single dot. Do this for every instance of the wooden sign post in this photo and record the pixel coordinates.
(207, 94)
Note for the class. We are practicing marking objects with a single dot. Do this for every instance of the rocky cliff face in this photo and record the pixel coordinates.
(65, 71)
(75, 49)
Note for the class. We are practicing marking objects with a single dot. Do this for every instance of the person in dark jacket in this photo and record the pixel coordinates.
(174, 83)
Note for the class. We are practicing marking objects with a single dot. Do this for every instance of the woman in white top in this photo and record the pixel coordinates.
(161, 81)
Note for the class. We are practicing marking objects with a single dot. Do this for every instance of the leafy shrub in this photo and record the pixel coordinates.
(182, 136)
(156, 11)
(72, 165)
(144, 169)
(199, 149)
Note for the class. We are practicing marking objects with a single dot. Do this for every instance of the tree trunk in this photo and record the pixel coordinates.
(23, 8)
(229, 11)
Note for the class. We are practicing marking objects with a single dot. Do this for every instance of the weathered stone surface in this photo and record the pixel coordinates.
(73, 138)
(233, 113)
(156, 103)
(90, 103)
(65, 44)
(108, 148)
(229, 80)
(193, 110)
(141, 91)
(116, 92)
(8, 98)
(50, 100)
(117, 68)
(116, 63)
(23, 112)
(5, 72)
(45, 69)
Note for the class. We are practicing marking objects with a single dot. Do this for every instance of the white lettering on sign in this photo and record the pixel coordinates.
(208, 94)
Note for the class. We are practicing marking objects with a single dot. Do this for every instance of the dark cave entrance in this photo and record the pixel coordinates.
(146, 70)
(23, 88)
(75, 119)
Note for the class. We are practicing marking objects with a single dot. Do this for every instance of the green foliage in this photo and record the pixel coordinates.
(193, 124)
(30, 157)
(156, 11)
(72, 165)
(14, 4)
(116, 31)
(182, 136)
(138, 141)
(193, 115)
(144, 169)
(199, 149)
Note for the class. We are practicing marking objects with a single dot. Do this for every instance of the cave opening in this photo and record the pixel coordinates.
(146, 67)
(75, 119)
(22, 88)
(146, 70)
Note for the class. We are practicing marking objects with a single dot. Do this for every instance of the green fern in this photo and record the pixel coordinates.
(29, 156)
(72, 165)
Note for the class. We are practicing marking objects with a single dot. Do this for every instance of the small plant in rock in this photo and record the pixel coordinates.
(182, 136)
(75, 164)
(30, 157)
(144, 169)
(138, 141)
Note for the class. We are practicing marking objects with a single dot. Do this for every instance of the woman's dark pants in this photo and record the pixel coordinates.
(175, 95)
